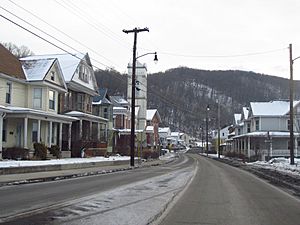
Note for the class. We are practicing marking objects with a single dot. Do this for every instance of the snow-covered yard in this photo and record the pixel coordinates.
(279, 164)
(24, 163)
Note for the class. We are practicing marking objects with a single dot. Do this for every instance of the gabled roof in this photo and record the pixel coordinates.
(36, 69)
(119, 101)
(151, 113)
(102, 97)
(10, 65)
(273, 108)
(68, 62)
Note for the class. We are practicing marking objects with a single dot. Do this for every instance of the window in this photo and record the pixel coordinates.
(37, 98)
(51, 100)
(84, 73)
(4, 131)
(52, 75)
(105, 113)
(34, 132)
(256, 124)
(8, 93)
(80, 101)
(248, 127)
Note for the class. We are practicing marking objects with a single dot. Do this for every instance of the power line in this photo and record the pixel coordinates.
(62, 32)
(44, 39)
(223, 56)
(78, 13)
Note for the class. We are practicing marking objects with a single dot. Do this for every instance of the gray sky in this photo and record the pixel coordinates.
(250, 35)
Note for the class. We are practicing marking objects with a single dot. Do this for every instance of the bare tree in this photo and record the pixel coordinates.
(19, 52)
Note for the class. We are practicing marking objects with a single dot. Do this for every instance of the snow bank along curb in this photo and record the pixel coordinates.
(57, 167)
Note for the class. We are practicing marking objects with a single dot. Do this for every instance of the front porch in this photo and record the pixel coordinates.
(263, 145)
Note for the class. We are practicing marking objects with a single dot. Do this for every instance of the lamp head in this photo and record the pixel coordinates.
(207, 108)
(155, 57)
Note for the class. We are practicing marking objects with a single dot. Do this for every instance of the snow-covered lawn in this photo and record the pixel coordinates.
(280, 164)
(23, 163)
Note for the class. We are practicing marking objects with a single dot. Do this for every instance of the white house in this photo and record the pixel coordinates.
(264, 132)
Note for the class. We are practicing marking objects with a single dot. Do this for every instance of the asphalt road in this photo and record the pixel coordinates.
(24, 200)
(223, 195)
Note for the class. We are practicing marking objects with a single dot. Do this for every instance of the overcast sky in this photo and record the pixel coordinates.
(250, 35)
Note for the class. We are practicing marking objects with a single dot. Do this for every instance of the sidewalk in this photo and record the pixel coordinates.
(34, 177)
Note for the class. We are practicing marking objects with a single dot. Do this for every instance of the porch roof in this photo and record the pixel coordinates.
(86, 116)
(38, 114)
(128, 131)
(265, 134)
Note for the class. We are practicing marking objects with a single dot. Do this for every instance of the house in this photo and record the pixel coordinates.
(121, 125)
(29, 103)
(77, 102)
(103, 107)
(163, 133)
(153, 121)
(264, 131)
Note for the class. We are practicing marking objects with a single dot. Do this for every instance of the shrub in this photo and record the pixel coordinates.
(15, 153)
(148, 153)
(40, 151)
(55, 151)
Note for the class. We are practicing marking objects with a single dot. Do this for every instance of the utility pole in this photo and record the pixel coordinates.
(207, 110)
(132, 137)
(219, 139)
(291, 107)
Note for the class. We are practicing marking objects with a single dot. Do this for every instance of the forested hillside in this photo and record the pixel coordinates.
(182, 94)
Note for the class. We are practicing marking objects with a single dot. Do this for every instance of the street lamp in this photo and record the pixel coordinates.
(132, 133)
(292, 162)
(207, 110)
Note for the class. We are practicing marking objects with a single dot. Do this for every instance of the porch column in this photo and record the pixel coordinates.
(80, 129)
(106, 138)
(60, 136)
(91, 131)
(296, 146)
(249, 148)
(271, 147)
(1, 130)
(39, 131)
(98, 131)
(50, 134)
(69, 136)
(25, 131)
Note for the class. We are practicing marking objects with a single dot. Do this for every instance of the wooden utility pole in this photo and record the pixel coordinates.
(132, 137)
(291, 107)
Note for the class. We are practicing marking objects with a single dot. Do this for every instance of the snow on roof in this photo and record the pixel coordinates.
(237, 117)
(68, 62)
(163, 129)
(246, 112)
(273, 108)
(151, 113)
(36, 69)
(149, 129)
